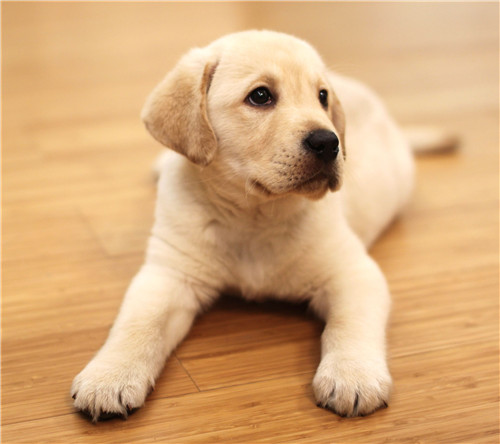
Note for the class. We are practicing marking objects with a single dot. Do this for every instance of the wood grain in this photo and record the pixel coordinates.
(77, 207)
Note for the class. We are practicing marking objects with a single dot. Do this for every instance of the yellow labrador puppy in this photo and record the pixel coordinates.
(286, 173)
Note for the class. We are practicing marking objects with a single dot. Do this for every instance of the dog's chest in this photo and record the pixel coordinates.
(257, 264)
(254, 266)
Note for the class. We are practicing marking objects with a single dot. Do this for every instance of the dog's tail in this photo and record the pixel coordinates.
(424, 140)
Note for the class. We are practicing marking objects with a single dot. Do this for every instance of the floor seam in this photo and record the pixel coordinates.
(186, 371)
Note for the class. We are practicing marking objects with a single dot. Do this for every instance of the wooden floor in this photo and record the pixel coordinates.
(77, 208)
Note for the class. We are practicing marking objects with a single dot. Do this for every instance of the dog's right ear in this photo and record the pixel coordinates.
(175, 113)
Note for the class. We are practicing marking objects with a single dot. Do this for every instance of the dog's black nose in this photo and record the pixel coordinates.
(323, 143)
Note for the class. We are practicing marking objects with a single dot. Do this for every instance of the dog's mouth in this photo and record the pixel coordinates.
(318, 182)
(261, 188)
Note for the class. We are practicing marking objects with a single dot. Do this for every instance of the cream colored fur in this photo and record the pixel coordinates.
(239, 206)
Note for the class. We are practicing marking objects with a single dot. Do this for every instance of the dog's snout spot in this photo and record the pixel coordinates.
(323, 143)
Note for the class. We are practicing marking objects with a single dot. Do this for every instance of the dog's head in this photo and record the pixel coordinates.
(258, 105)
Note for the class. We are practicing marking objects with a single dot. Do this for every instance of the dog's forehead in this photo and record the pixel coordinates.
(271, 53)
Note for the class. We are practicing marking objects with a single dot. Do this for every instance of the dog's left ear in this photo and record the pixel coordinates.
(175, 113)
(338, 119)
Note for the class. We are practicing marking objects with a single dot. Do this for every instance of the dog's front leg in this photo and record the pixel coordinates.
(352, 378)
(155, 315)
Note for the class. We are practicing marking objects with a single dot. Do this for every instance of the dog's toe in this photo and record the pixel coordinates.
(102, 391)
(351, 388)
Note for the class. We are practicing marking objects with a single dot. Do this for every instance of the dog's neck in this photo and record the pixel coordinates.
(239, 204)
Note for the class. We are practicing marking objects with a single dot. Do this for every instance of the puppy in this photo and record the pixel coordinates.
(285, 173)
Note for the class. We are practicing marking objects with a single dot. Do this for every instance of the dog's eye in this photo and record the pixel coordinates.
(260, 97)
(323, 97)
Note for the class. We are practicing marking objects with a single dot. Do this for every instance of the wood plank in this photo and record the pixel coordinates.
(37, 379)
(255, 412)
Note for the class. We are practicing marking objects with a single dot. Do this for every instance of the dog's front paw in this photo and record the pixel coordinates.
(352, 387)
(104, 389)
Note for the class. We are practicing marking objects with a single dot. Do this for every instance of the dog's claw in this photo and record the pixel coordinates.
(355, 407)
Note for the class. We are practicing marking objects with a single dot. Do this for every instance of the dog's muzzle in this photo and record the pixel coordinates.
(323, 144)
